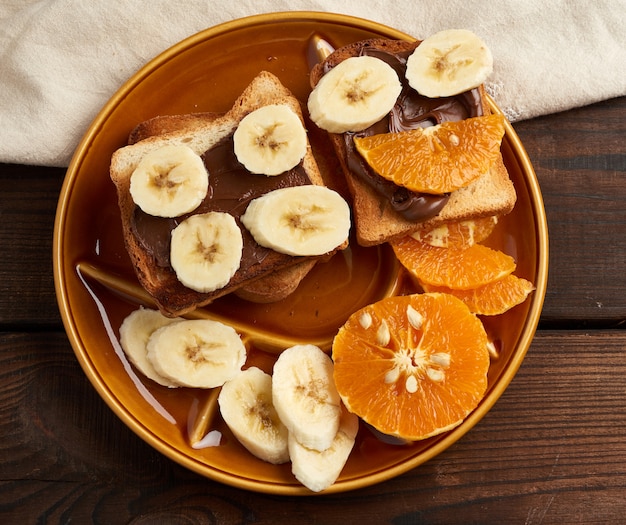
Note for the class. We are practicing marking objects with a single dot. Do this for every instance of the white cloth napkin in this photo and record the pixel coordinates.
(63, 59)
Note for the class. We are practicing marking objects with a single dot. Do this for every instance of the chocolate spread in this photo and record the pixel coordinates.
(231, 188)
(411, 111)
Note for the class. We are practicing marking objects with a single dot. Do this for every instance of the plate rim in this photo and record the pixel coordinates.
(99, 383)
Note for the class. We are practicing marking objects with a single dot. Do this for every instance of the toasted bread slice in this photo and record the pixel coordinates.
(201, 132)
(278, 284)
(376, 221)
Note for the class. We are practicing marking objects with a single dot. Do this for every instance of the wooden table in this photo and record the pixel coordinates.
(552, 450)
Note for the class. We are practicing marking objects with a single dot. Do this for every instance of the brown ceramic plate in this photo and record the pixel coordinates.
(96, 287)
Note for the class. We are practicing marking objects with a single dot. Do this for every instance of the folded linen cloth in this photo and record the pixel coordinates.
(63, 59)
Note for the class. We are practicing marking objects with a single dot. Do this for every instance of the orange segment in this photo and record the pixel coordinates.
(438, 159)
(459, 234)
(458, 268)
(492, 298)
(412, 366)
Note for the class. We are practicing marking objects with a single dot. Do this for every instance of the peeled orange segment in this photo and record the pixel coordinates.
(493, 298)
(412, 366)
(438, 159)
(457, 268)
(458, 234)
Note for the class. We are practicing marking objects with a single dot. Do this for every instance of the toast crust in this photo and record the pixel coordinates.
(376, 221)
(200, 132)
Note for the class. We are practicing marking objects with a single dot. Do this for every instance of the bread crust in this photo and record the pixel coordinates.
(200, 131)
(375, 220)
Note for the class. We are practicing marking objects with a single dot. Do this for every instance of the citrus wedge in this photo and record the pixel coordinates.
(493, 298)
(458, 234)
(458, 268)
(438, 159)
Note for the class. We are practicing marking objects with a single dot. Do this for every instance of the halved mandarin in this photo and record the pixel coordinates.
(438, 159)
(412, 366)
(492, 298)
(458, 268)
(458, 233)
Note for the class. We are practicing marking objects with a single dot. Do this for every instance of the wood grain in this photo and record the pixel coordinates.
(551, 451)
(28, 201)
(580, 160)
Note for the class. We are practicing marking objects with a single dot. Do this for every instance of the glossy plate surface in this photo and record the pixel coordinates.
(96, 287)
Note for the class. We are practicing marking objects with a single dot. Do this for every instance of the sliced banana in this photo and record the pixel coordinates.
(354, 94)
(169, 181)
(197, 353)
(299, 220)
(270, 140)
(305, 396)
(247, 408)
(135, 332)
(319, 470)
(206, 251)
(448, 63)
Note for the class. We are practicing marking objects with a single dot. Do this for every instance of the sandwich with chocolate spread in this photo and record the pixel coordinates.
(382, 86)
(213, 204)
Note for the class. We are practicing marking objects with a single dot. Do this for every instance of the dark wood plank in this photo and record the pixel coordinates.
(580, 160)
(28, 202)
(551, 451)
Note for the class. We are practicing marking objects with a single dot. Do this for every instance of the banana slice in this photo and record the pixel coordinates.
(247, 408)
(206, 251)
(448, 63)
(169, 181)
(270, 140)
(299, 220)
(197, 353)
(305, 397)
(319, 470)
(135, 331)
(353, 95)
